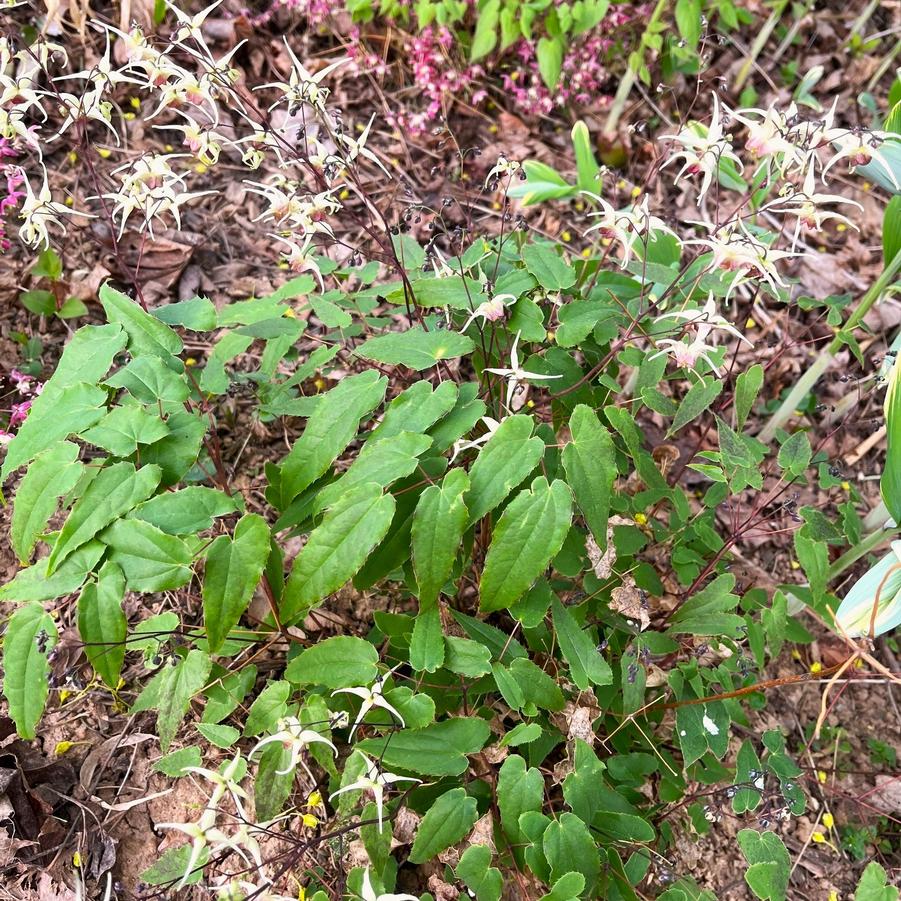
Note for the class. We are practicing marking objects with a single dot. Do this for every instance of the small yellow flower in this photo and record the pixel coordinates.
(289, 314)
(866, 186)
(492, 129)
(833, 896)
(128, 116)
(76, 860)
(818, 837)
(620, 185)
(310, 821)
(579, 206)
(201, 169)
(344, 194)
(795, 564)
(73, 157)
(846, 486)
(69, 201)
(63, 694)
(822, 777)
(816, 667)
(62, 747)
(636, 192)
(318, 383)
(641, 519)
(315, 799)
(796, 654)
(828, 820)
(566, 236)
(551, 336)
(135, 102)
(495, 205)
(530, 404)
(190, 361)
(841, 227)
(104, 153)
(168, 148)
(750, 323)
(586, 252)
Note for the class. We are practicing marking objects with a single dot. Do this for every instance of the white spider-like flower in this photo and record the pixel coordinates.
(306, 214)
(189, 27)
(89, 107)
(770, 136)
(807, 205)
(293, 736)
(354, 148)
(368, 892)
(628, 227)
(736, 250)
(228, 781)
(303, 86)
(859, 149)
(38, 211)
(19, 95)
(515, 374)
(298, 257)
(703, 149)
(502, 169)
(371, 696)
(490, 310)
(459, 446)
(204, 143)
(705, 320)
(375, 782)
(103, 75)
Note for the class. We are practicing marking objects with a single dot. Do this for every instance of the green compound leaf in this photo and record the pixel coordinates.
(102, 625)
(146, 334)
(438, 524)
(529, 534)
(329, 430)
(30, 635)
(123, 429)
(770, 864)
(508, 456)
(150, 559)
(187, 511)
(448, 820)
(437, 750)
(149, 380)
(590, 464)
(416, 348)
(52, 474)
(337, 662)
(114, 491)
(337, 548)
(233, 570)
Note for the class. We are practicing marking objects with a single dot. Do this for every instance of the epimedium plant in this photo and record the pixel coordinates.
(566, 646)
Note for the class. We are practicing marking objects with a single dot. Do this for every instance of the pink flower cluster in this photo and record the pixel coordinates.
(436, 77)
(13, 178)
(28, 388)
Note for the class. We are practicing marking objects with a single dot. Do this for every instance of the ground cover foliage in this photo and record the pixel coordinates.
(446, 552)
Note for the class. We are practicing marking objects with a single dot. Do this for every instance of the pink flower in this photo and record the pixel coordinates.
(19, 413)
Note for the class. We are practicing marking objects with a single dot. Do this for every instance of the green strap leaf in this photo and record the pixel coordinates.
(586, 665)
(233, 570)
(102, 625)
(508, 456)
(438, 524)
(113, 492)
(337, 548)
(529, 534)
(329, 430)
(52, 474)
(590, 463)
(448, 820)
(30, 635)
